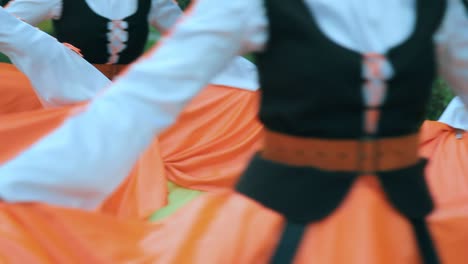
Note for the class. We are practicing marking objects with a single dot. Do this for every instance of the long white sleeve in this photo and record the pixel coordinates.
(164, 14)
(35, 11)
(85, 159)
(452, 42)
(59, 75)
(240, 73)
(94, 151)
(456, 114)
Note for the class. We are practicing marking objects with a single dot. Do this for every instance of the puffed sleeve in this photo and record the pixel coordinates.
(35, 11)
(164, 14)
(452, 48)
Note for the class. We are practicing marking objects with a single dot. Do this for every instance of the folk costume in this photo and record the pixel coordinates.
(346, 186)
(205, 150)
(109, 34)
(344, 91)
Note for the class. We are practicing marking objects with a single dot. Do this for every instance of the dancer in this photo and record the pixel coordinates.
(284, 189)
(219, 127)
(108, 34)
(296, 190)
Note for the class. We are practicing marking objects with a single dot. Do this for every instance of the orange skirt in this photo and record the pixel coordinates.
(226, 227)
(40, 234)
(206, 149)
(16, 92)
(448, 168)
(229, 228)
(223, 226)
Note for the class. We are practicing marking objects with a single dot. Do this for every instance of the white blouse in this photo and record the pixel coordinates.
(240, 73)
(162, 15)
(92, 148)
(218, 31)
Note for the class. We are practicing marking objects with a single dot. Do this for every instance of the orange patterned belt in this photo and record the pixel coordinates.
(110, 70)
(366, 156)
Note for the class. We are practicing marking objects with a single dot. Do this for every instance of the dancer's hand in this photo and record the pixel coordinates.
(73, 48)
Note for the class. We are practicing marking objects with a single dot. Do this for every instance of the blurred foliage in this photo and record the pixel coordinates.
(3, 58)
(47, 27)
(441, 96)
(183, 3)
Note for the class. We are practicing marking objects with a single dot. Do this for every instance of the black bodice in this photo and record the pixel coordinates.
(93, 34)
(313, 87)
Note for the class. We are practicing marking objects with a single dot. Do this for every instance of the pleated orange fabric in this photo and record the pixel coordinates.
(213, 140)
(20, 130)
(229, 228)
(144, 191)
(207, 148)
(33, 233)
(225, 227)
(16, 92)
(447, 150)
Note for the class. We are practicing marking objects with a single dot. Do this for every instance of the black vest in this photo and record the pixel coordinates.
(4, 2)
(311, 86)
(86, 30)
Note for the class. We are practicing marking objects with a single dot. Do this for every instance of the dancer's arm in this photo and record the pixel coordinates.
(456, 114)
(164, 14)
(59, 76)
(35, 11)
(452, 42)
(88, 157)
(240, 73)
